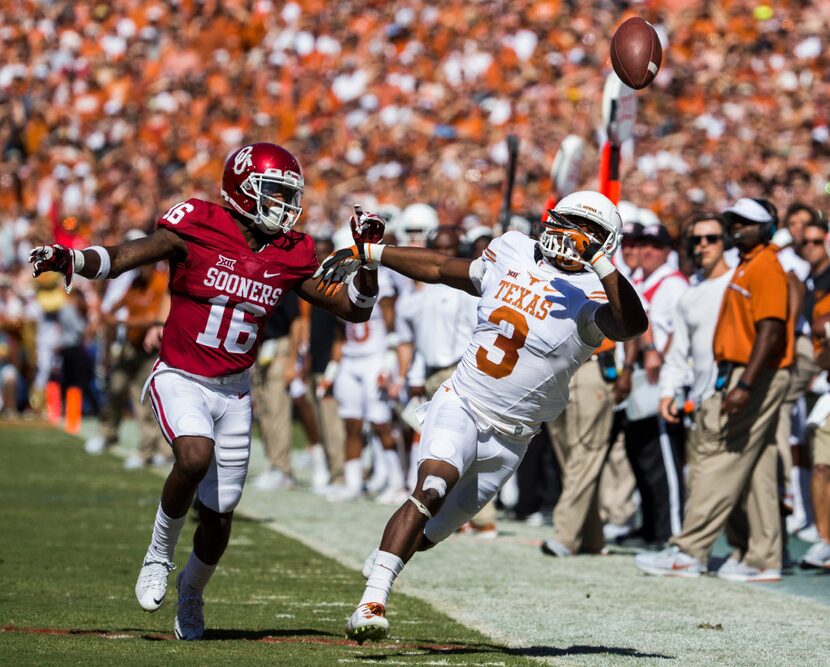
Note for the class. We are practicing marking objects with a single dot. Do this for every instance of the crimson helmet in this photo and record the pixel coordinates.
(264, 183)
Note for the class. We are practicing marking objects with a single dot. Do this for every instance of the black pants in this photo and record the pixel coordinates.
(539, 477)
(655, 452)
(78, 370)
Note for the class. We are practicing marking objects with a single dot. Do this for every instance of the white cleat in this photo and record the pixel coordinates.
(96, 445)
(369, 564)
(555, 548)
(190, 614)
(151, 586)
(671, 562)
(368, 622)
(743, 573)
(338, 493)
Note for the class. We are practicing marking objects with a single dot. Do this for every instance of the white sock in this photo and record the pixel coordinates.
(165, 536)
(318, 457)
(386, 569)
(196, 574)
(353, 475)
(394, 471)
(378, 479)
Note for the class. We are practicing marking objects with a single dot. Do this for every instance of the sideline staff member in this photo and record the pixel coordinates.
(735, 477)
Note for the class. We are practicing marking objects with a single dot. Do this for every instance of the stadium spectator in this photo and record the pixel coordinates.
(804, 370)
(146, 303)
(654, 448)
(819, 553)
(272, 404)
(734, 484)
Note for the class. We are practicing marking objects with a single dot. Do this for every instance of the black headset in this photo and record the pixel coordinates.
(767, 228)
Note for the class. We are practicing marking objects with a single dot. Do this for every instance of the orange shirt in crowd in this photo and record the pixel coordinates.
(143, 304)
(820, 312)
(758, 291)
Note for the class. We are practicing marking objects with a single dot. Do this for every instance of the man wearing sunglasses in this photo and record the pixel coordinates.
(695, 319)
(734, 484)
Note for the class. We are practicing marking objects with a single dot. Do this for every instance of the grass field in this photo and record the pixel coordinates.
(75, 529)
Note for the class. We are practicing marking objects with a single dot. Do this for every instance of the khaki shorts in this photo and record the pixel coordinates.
(821, 445)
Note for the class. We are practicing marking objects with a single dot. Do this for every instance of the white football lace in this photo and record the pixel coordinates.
(154, 573)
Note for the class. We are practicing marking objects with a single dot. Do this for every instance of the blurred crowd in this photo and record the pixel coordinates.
(111, 112)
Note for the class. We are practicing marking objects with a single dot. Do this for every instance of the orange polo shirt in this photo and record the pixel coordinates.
(820, 311)
(758, 291)
(143, 303)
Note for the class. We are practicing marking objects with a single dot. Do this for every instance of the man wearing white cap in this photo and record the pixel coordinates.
(734, 485)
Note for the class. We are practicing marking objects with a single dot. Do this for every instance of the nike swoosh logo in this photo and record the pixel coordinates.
(159, 601)
(272, 275)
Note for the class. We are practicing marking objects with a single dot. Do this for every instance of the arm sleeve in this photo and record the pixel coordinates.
(586, 324)
(676, 363)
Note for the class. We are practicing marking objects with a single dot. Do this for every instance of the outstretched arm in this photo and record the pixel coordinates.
(427, 266)
(100, 262)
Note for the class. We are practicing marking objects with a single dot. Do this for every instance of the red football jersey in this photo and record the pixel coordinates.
(222, 293)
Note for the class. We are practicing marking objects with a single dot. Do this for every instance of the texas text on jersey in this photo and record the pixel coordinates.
(223, 291)
(530, 338)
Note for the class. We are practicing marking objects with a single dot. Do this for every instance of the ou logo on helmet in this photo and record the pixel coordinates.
(243, 160)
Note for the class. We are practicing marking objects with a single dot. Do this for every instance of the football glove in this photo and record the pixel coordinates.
(57, 258)
(366, 227)
(340, 264)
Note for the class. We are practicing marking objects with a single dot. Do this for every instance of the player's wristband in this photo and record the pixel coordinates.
(77, 260)
(359, 299)
(370, 254)
(743, 385)
(106, 263)
(602, 266)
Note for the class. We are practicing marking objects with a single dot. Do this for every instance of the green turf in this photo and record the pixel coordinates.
(74, 529)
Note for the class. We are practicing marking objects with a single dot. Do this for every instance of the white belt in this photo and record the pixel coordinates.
(488, 421)
(238, 381)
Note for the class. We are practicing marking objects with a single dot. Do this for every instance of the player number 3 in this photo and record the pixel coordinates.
(510, 345)
(237, 329)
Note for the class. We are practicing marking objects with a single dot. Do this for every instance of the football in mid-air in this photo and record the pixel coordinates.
(636, 53)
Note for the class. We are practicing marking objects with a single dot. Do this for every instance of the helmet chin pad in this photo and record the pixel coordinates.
(558, 248)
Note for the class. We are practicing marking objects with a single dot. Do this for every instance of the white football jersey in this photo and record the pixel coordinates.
(535, 328)
(369, 338)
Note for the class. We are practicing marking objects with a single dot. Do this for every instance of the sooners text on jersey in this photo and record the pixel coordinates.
(223, 291)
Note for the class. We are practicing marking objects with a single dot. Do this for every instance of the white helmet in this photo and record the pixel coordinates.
(589, 205)
(415, 223)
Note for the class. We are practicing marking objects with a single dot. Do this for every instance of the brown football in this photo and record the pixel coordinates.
(636, 53)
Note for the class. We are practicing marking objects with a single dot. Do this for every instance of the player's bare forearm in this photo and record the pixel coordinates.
(161, 245)
(429, 266)
(340, 304)
(623, 317)
(770, 338)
